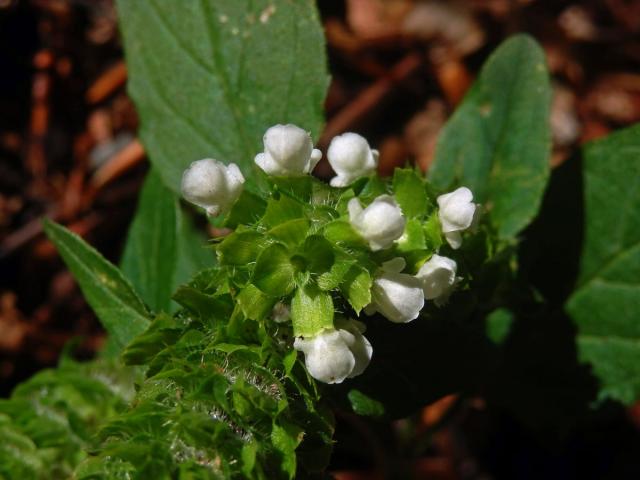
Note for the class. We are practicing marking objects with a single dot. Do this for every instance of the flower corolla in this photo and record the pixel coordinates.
(397, 296)
(457, 213)
(288, 152)
(438, 278)
(212, 185)
(333, 355)
(351, 157)
(380, 224)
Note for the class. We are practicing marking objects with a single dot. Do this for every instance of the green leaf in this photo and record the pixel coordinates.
(498, 141)
(255, 304)
(333, 278)
(341, 232)
(410, 192)
(286, 438)
(291, 233)
(119, 308)
(194, 254)
(498, 325)
(150, 254)
(282, 209)
(247, 210)
(311, 311)
(319, 254)
(356, 287)
(364, 405)
(163, 249)
(606, 302)
(210, 77)
(274, 272)
(241, 248)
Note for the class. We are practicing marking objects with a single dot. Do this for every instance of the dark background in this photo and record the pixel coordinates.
(68, 150)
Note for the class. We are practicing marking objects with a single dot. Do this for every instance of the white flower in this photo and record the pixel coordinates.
(380, 224)
(288, 151)
(457, 213)
(351, 158)
(333, 355)
(212, 185)
(397, 296)
(438, 277)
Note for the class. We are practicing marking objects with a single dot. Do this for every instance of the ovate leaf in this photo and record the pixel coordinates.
(117, 305)
(606, 303)
(498, 141)
(210, 76)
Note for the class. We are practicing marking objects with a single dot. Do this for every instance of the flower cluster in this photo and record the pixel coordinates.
(350, 245)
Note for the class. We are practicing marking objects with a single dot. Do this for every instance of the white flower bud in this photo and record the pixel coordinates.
(351, 158)
(438, 277)
(397, 296)
(457, 213)
(380, 224)
(212, 185)
(332, 355)
(288, 151)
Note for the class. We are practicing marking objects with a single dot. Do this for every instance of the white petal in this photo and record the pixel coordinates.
(212, 185)
(351, 157)
(456, 210)
(291, 149)
(397, 296)
(454, 239)
(327, 355)
(358, 344)
(266, 163)
(381, 223)
(438, 277)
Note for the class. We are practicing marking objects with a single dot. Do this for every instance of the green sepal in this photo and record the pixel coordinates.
(433, 232)
(356, 288)
(311, 311)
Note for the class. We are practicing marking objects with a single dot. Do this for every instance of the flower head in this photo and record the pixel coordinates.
(288, 151)
(333, 355)
(438, 277)
(380, 224)
(212, 185)
(351, 158)
(457, 213)
(397, 296)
